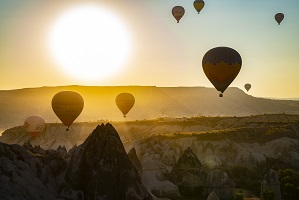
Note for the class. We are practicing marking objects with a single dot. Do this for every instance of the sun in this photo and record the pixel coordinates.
(89, 42)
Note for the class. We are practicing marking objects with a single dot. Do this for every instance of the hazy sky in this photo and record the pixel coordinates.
(162, 52)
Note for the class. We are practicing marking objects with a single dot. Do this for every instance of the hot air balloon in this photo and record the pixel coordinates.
(67, 105)
(34, 125)
(247, 86)
(198, 5)
(125, 101)
(178, 12)
(221, 65)
(279, 17)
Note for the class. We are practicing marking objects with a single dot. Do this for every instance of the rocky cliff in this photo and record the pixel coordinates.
(97, 169)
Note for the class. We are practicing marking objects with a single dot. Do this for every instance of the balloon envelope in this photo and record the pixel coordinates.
(67, 105)
(125, 101)
(279, 17)
(34, 125)
(221, 65)
(198, 5)
(178, 12)
(247, 86)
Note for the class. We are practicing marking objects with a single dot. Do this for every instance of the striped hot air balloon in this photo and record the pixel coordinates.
(221, 65)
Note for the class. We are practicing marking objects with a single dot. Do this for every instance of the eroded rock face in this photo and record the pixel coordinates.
(187, 169)
(188, 174)
(134, 159)
(212, 196)
(26, 175)
(97, 169)
(193, 180)
(101, 169)
(271, 183)
(219, 182)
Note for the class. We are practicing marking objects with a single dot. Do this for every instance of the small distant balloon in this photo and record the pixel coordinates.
(279, 17)
(34, 125)
(178, 12)
(67, 105)
(198, 5)
(221, 65)
(247, 86)
(125, 101)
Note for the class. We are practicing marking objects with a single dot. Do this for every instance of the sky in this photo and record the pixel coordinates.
(157, 51)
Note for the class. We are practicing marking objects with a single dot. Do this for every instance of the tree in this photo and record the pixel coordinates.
(291, 190)
(268, 195)
(237, 197)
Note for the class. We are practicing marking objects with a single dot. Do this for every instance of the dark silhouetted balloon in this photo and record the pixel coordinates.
(67, 105)
(125, 101)
(34, 125)
(178, 12)
(279, 17)
(198, 5)
(247, 86)
(221, 65)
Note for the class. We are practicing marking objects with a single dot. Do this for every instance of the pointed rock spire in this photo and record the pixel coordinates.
(100, 168)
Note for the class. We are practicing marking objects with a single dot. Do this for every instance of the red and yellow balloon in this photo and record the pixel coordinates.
(34, 125)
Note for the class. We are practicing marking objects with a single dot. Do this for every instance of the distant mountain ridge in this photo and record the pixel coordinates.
(150, 102)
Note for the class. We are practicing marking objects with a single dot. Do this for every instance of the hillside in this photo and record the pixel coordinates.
(233, 140)
(151, 102)
(252, 143)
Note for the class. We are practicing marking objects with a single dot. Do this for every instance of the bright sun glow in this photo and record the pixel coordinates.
(89, 42)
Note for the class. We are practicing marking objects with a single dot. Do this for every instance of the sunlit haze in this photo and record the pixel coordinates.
(115, 43)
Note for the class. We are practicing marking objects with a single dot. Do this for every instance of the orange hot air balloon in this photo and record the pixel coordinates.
(178, 12)
(247, 86)
(198, 5)
(221, 65)
(125, 101)
(67, 105)
(34, 125)
(279, 17)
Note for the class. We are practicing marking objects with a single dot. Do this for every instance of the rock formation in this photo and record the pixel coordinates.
(134, 159)
(213, 196)
(27, 175)
(97, 169)
(188, 174)
(271, 183)
(219, 182)
(100, 169)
